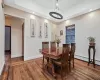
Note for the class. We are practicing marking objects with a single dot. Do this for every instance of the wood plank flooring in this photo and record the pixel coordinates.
(32, 70)
(5, 73)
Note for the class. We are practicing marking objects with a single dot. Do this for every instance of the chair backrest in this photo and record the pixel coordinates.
(53, 46)
(65, 54)
(72, 50)
(45, 45)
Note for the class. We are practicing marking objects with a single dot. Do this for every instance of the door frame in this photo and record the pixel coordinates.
(10, 39)
(23, 40)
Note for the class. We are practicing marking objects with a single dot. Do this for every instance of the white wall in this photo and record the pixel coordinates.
(7, 21)
(31, 44)
(2, 24)
(16, 38)
(53, 31)
(85, 26)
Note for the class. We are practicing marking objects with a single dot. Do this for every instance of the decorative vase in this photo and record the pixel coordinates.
(57, 45)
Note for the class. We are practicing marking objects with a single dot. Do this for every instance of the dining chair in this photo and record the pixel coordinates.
(64, 61)
(72, 53)
(53, 46)
(45, 48)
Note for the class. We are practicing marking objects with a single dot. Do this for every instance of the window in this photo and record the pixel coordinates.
(70, 34)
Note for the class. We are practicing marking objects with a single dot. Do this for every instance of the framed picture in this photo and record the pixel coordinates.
(32, 25)
(61, 32)
(46, 29)
(40, 29)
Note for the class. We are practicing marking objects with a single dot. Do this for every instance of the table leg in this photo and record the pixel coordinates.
(69, 66)
(73, 61)
(48, 65)
(43, 62)
(94, 58)
(89, 56)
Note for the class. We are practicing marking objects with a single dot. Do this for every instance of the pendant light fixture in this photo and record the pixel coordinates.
(55, 14)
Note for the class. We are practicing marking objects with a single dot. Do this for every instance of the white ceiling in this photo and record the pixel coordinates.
(63, 4)
(68, 8)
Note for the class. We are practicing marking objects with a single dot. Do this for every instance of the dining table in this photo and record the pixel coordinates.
(55, 54)
(51, 55)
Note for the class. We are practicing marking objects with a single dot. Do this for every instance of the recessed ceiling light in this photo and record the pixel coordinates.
(32, 16)
(91, 14)
(46, 21)
(33, 12)
(68, 21)
(90, 10)
(56, 4)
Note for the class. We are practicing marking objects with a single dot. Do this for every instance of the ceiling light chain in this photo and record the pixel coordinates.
(57, 8)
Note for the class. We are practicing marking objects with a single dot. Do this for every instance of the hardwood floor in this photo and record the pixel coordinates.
(5, 72)
(32, 70)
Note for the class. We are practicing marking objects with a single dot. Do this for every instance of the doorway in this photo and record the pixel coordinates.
(8, 39)
(23, 41)
(7, 43)
(15, 26)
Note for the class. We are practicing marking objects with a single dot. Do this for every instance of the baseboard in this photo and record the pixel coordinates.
(33, 57)
(2, 67)
(86, 59)
(16, 55)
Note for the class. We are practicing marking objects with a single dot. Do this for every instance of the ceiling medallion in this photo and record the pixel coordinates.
(55, 14)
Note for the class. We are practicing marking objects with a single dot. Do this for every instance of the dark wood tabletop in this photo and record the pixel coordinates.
(52, 54)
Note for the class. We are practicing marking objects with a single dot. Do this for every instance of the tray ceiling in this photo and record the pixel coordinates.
(69, 8)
